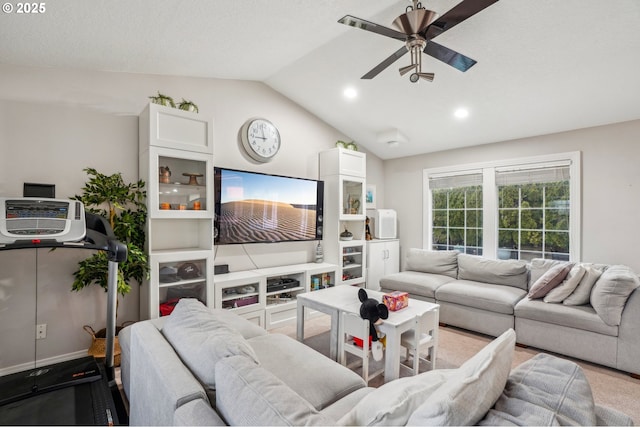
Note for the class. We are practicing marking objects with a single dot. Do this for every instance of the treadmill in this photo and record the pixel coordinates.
(74, 392)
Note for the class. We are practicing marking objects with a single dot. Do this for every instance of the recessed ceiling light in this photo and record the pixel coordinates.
(350, 93)
(461, 113)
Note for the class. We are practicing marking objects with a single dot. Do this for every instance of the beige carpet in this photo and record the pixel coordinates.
(610, 387)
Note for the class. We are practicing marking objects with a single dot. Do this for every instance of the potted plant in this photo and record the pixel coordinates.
(165, 100)
(124, 207)
(188, 106)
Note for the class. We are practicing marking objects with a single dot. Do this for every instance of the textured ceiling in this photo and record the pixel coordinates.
(544, 66)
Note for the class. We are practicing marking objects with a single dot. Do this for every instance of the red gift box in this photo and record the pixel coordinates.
(396, 300)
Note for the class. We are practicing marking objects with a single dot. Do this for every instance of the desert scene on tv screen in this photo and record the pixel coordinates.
(266, 221)
(266, 208)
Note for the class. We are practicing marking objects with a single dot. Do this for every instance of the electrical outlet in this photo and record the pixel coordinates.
(41, 331)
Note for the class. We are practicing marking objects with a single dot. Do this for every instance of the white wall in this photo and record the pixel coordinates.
(54, 123)
(610, 186)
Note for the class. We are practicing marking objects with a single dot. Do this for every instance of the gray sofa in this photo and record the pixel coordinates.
(597, 321)
(203, 366)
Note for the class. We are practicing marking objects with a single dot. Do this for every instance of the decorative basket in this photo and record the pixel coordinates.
(98, 347)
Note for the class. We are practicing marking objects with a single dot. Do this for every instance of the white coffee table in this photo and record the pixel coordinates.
(333, 301)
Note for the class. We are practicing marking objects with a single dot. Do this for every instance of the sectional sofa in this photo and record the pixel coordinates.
(203, 366)
(583, 310)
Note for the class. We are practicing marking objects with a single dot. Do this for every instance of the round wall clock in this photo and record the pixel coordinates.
(260, 139)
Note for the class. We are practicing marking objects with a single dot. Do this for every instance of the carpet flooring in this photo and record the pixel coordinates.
(610, 388)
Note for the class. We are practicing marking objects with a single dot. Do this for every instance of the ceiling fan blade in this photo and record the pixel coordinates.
(463, 10)
(448, 56)
(384, 64)
(352, 21)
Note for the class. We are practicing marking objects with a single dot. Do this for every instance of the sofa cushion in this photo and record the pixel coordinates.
(415, 283)
(297, 366)
(582, 293)
(485, 296)
(611, 291)
(201, 340)
(248, 394)
(582, 317)
(564, 289)
(497, 272)
(545, 390)
(549, 280)
(394, 402)
(436, 262)
(467, 396)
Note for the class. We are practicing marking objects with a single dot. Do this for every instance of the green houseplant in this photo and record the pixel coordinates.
(124, 206)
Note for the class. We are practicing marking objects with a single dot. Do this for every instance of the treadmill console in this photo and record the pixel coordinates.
(31, 219)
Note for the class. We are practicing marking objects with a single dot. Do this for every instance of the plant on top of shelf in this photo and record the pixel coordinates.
(124, 207)
(161, 99)
(188, 106)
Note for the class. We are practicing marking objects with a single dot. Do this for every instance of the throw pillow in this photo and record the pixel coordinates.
(394, 402)
(611, 291)
(435, 262)
(549, 280)
(465, 398)
(248, 394)
(582, 294)
(201, 340)
(559, 293)
(544, 391)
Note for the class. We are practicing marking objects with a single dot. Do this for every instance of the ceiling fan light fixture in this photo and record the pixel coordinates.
(426, 76)
(405, 70)
(415, 21)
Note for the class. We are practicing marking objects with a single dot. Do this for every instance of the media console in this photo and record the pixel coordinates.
(267, 296)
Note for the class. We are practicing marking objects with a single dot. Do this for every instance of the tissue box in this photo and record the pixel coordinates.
(396, 300)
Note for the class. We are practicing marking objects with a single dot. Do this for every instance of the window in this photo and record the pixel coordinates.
(533, 213)
(457, 213)
(515, 209)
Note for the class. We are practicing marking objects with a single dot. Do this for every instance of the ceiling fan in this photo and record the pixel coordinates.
(418, 26)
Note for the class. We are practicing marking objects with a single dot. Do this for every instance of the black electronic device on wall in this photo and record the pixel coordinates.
(31, 189)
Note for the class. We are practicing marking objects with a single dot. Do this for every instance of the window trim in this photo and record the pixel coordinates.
(490, 197)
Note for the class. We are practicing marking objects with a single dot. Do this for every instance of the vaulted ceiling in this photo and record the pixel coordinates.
(544, 66)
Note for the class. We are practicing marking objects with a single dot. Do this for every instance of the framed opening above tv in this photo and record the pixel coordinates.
(253, 207)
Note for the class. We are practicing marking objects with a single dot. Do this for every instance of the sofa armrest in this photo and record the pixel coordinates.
(629, 336)
(197, 413)
(159, 381)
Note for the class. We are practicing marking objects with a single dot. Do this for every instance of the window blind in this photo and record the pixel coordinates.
(455, 181)
(532, 176)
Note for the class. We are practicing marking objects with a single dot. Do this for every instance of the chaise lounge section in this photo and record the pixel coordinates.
(599, 321)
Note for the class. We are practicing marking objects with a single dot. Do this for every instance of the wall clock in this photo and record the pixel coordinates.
(260, 139)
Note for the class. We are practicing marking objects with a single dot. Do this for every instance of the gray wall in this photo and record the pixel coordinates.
(610, 186)
(54, 123)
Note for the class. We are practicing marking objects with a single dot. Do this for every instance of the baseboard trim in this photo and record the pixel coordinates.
(42, 362)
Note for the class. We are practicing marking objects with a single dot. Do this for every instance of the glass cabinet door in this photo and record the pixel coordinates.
(182, 185)
(352, 201)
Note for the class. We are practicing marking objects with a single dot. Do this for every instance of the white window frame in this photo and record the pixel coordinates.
(490, 197)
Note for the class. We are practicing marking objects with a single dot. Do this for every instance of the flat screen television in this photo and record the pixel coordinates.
(253, 207)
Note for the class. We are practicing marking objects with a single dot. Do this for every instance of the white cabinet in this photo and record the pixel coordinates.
(176, 163)
(383, 259)
(344, 175)
(167, 127)
(242, 292)
(267, 296)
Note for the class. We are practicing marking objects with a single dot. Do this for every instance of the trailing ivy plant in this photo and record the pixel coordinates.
(124, 206)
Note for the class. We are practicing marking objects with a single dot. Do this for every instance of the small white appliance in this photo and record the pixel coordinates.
(383, 224)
